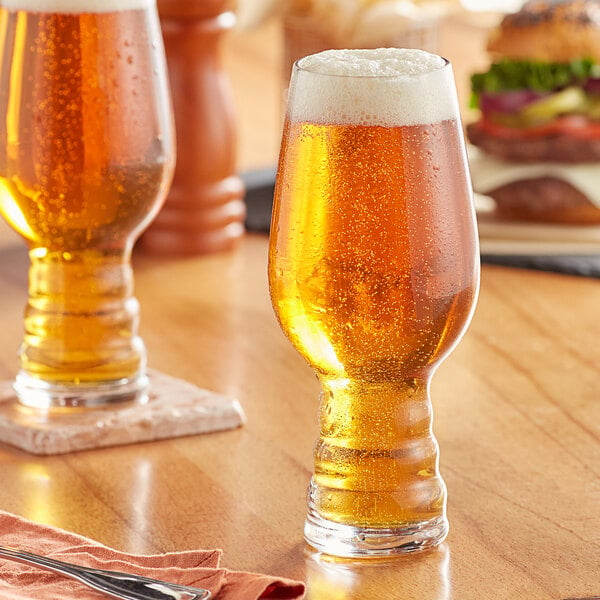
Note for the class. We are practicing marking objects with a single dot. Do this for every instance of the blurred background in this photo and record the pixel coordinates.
(271, 34)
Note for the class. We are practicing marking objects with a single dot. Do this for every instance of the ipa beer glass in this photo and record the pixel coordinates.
(86, 157)
(374, 273)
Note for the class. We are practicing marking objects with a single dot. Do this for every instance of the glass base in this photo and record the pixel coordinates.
(36, 393)
(348, 541)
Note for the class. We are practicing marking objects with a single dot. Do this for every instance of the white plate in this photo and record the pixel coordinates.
(508, 237)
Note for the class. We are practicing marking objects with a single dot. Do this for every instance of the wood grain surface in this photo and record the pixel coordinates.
(517, 416)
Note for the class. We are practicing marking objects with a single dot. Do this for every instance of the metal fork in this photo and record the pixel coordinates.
(111, 583)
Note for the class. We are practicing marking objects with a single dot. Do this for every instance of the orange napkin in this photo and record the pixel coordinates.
(199, 568)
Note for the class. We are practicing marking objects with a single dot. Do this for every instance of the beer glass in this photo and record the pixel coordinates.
(86, 157)
(374, 273)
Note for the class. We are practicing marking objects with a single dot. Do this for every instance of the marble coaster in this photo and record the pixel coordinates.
(176, 408)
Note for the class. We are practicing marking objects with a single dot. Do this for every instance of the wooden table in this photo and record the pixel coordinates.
(517, 416)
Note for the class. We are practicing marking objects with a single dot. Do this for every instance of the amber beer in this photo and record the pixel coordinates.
(373, 275)
(86, 156)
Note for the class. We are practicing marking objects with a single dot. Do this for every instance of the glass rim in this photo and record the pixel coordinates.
(297, 67)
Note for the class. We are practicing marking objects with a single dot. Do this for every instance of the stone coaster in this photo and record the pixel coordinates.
(176, 408)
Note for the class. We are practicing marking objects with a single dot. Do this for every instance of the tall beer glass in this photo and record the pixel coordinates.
(86, 156)
(374, 272)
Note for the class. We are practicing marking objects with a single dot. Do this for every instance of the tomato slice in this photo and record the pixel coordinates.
(571, 125)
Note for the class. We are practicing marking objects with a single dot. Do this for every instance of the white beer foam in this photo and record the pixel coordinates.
(384, 86)
(76, 6)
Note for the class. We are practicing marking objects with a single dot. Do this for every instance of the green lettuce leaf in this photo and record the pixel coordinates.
(534, 75)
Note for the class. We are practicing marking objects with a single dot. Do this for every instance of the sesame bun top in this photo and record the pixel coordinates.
(549, 31)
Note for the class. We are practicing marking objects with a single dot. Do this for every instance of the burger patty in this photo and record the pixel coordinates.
(545, 200)
(552, 148)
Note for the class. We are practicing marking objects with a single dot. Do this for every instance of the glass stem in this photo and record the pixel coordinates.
(376, 460)
(81, 328)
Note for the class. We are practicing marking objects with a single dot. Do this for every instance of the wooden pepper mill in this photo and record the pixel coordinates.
(205, 209)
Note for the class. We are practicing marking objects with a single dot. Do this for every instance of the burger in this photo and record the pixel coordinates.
(537, 140)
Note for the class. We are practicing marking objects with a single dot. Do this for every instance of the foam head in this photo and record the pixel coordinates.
(76, 6)
(384, 86)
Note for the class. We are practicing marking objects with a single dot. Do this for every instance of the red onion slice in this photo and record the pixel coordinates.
(508, 102)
